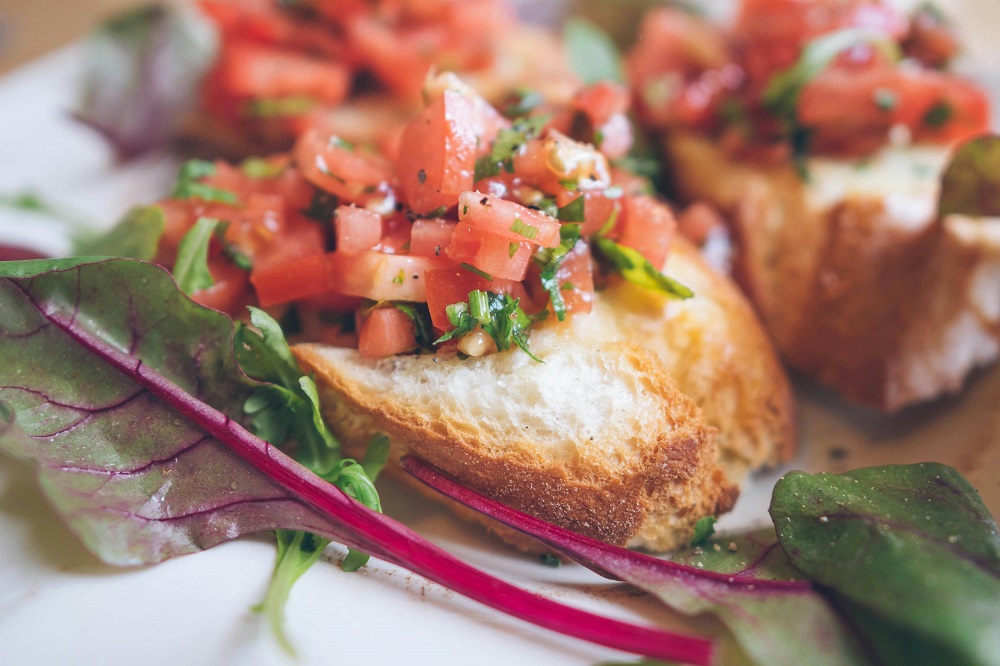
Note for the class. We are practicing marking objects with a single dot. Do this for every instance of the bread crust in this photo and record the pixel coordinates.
(652, 499)
(887, 308)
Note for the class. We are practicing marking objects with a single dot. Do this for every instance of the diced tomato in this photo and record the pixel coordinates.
(600, 101)
(598, 211)
(386, 331)
(429, 237)
(332, 165)
(282, 282)
(294, 243)
(647, 226)
(493, 254)
(229, 293)
(382, 277)
(395, 235)
(399, 58)
(437, 153)
(508, 219)
(356, 229)
(256, 71)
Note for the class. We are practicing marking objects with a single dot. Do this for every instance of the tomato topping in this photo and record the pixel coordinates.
(437, 153)
(647, 226)
(335, 166)
(253, 70)
(356, 229)
(507, 219)
(495, 255)
(290, 280)
(380, 276)
(386, 331)
(429, 237)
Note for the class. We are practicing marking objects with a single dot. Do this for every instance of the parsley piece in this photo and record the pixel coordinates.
(938, 115)
(191, 268)
(278, 107)
(500, 315)
(321, 207)
(418, 313)
(569, 234)
(635, 268)
(571, 212)
(505, 146)
(522, 228)
(703, 529)
(473, 269)
(189, 185)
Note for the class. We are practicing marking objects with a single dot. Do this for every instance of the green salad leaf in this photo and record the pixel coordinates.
(551, 260)
(136, 236)
(909, 553)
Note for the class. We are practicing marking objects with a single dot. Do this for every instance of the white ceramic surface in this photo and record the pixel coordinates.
(58, 605)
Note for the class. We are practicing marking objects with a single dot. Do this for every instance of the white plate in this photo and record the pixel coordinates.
(58, 605)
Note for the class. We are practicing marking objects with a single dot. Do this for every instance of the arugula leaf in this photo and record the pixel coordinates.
(592, 55)
(970, 184)
(909, 552)
(136, 236)
(191, 268)
(635, 268)
(569, 234)
(189, 185)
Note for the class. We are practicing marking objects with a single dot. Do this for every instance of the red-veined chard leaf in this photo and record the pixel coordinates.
(143, 70)
(127, 398)
(971, 182)
(775, 618)
(909, 552)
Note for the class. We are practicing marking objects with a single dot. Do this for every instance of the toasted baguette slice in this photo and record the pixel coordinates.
(598, 438)
(861, 285)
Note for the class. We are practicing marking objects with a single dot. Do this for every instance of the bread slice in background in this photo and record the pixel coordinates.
(860, 283)
(613, 436)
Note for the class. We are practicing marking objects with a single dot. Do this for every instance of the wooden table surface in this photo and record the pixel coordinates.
(30, 28)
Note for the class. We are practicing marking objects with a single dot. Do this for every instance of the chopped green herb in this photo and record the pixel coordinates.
(939, 115)
(337, 142)
(499, 315)
(400, 277)
(703, 529)
(886, 100)
(550, 560)
(423, 330)
(598, 138)
(573, 211)
(473, 269)
(505, 146)
(635, 268)
(189, 186)
(256, 167)
(523, 103)
(191, 268)
(277, 107)
(569, 234)
(522, 228)
(567, 286)
(512, 249)
(321, 207)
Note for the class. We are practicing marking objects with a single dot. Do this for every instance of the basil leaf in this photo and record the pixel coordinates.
(191, 268)
(910, 553)
(635, 268)
(592, 55)
(189, 185)
(136, 236)
(971, 182)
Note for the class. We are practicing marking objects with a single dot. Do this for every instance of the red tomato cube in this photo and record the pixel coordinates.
(508, 219)
(356, 229)
(386, 331)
